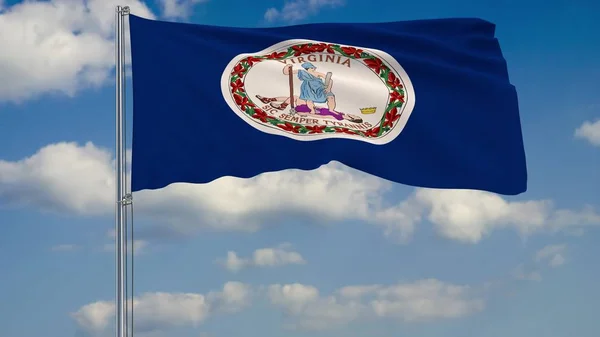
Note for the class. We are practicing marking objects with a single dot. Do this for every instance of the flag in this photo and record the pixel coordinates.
(425, 103)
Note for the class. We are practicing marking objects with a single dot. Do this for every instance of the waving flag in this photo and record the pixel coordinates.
(425, 103)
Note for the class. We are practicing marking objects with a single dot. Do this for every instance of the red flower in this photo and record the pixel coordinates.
(390, 117)
(237, 85)
(374, 132)
(393, 81)
(238, 70)
(351, 51)
(289, 127)
(396, 96)
(276, 55)
(315, 128)
(251, 60)
(344, 130)
(375, 64)
(261, 115)
(321, 47)
(242, 102)
(302, 49)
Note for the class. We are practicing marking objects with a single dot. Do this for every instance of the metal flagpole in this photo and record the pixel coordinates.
(121, 200)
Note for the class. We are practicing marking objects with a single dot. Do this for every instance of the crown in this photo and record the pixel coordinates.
(368, 111)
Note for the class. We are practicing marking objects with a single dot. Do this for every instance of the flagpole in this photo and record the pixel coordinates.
(120, 311)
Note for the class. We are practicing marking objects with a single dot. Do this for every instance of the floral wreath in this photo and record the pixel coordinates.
(395, 87)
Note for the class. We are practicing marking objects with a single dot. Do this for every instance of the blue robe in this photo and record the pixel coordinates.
(312, 88)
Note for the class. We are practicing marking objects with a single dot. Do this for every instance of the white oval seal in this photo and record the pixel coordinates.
(311, 90)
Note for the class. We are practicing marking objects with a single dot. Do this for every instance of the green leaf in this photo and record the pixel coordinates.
(337, 48)
(384, 74)
(396, 104)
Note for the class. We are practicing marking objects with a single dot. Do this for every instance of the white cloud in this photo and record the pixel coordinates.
(175, 9)
(234, 297)
(153, 311)
(95, 317)
(557, 260)
(311, 311)
(426, 300)
(469, 216)
(161, 311)
(358, 291)
(520, 273)
(66, 177)
(69, 178)
(233, 262)
(271, 14)
(58, 46)
(304, 306)
(419, 301)
(297, 10)
(67, 247)
(263, 257)
(61, 177)
(273, 257)
(553, 255)
(589, 131)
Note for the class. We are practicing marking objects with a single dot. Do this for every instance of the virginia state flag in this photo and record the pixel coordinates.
(424, 103)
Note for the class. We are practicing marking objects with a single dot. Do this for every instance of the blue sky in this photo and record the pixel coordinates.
(233, 259)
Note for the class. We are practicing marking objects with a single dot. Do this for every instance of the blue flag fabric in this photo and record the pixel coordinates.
(425, 103)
